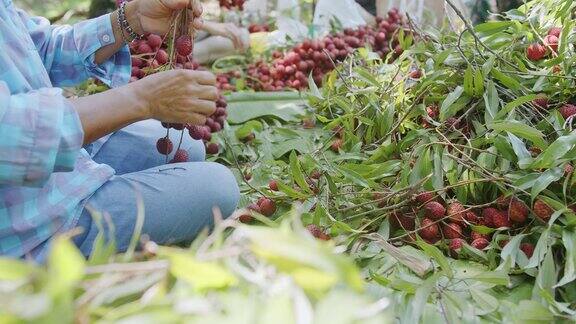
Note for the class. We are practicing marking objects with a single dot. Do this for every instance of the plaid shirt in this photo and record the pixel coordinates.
(45, 175)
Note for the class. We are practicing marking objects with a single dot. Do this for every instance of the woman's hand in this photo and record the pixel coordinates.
(228, 30)
(177, 96)
(155, 16)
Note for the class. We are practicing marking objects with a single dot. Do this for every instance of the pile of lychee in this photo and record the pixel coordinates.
(290, 70)
(455, 224)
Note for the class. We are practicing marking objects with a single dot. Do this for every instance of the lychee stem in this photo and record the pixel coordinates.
(168, 137)
(181, 138)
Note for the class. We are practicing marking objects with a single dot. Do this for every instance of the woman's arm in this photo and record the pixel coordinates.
(381, 8)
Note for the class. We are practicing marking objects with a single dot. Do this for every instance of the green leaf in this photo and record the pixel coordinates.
(243, 107)
(14, 269)
(556, 151)
(469, 81)
(491, 101)
(65, 266)
(487, 302)
(453, 103)
(437, 255)
(545, 179)
(507, 81)
(514, 104)
(420, 300)
(291, 192)
(202, 276)
(569, 241)
(297, 173)
(521, 130)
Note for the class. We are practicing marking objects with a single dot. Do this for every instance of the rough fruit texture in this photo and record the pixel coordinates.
(336, 145)
(429, 230)
(555, 31)
(164, 146)
(425, 197)
(435, 210)
(317, 232)
(181, 156)
(212, 148)
(480, 243)
(568, 111)
(518, 211)
(267, 206)
(184, 45)
(528, 249)
(456, 211)
(501, 220)
(456, 244)
(452, 231)
(541, 101)
(536, 52)
(471, 217)
(475, 235)
(404, 221)
(273, 185)
(542, 210)
(488, 215)
(552, 42)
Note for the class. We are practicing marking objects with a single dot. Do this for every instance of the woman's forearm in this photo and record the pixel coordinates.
(108, 51)
(107, 112)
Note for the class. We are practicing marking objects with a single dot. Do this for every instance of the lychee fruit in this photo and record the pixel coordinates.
(162, 57)
(267, 206)
(429, 230)
(552, 42)
(184, 45)
(416, 74)
(456, 244)
(528, 249)
(471, 217)
(212, 148)
(555, 31)
(518, 211)
(180, 156)
(403, 221)
(456, 211)
(315, 174)
(247, 217)
(542, 210)
(488, 215)
(196, 132)
(434, 210)
(536, 52)
(452, 231)
(273, 185)
(425, 197)
(475, 235)
(164, 146)
(568, 110)
(317, 232)
(568, 169)
(144, 48)
(154, 40)
(480, 243)
(501, 220)
(541, 101)
(336, 145)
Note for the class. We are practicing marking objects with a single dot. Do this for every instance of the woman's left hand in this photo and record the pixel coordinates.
(156, 16)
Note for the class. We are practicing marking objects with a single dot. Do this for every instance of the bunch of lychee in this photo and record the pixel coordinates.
(454, 224)
(316, 58)
(232, 4)
(537, 51)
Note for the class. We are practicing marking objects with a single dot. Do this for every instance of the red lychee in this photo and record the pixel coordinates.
(273, 185)
(541, 101)
(184, 45)
(180, 156)
(555, 31)
(568, 110)
(425, 197)
(434, 210)
(536, 52)
(471, 217)
(528, 249)
(542, 210)
(480, 243)
(212, 148)
(429, 230)
(488, 215)
(336, 145)
(456, 211)
(475, 235)
(552, 42)
(267, 206)
(501, 220)
(164, 146)
(452, 231)
(456, 244)
(518, 211)
(403, 221)
(317, 232)
(154, 40)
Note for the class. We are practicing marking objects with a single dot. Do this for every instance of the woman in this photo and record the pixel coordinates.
(48, 182)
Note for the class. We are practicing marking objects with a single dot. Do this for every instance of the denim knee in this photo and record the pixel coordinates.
(226, 187)
(196, 149)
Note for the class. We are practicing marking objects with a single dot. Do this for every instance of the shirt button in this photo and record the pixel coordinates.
(106, 38)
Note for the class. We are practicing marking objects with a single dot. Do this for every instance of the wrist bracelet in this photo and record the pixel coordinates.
(125, 25)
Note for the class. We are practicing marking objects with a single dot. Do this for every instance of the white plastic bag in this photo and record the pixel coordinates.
(346, 11)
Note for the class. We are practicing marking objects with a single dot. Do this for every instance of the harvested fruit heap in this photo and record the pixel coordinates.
(461, 150)
(290, 70)
(158, 53)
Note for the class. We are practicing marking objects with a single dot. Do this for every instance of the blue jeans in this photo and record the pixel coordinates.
(177, 198)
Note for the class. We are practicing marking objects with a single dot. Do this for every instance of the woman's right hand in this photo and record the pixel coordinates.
(177, 96)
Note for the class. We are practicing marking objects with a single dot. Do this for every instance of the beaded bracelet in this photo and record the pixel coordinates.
(125, 25)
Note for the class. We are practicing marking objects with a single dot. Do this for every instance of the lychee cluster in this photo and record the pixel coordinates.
(258, 28)
(290, 70)
(538, 51)
(265, 206)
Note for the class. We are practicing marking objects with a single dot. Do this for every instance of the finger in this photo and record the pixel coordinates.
(204, 92)
(197, 106)
(196, 119)
(204, 77)
(198, 24)
(176, 4)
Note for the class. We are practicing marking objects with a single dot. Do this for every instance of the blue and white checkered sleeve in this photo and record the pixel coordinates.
(40, 133)
(68, 52)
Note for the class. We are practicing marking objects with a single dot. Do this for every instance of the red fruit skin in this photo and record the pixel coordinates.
(336, 145)
(180, 156)
(457, 212)
(471, 217)
(184, 45)
(154, 40)
(196, 132)
(416, 74)
(536, 52)
(434, 210)
(429, 230)
(501, 220)
(425, 197)
(541, 102)
(568, 110)
(273, 185)
(542, 210)
(475, 235)
(403, 221)
(528, 249)
(480, 243)
(212, 148)
(452, 231)
(456, 244)
(164, 146)
(518, 211)
(555, 31)
(552, 42)
(317, 232)
(267, 207)
(247, 217)
(488, 215)
(144, 48)
(568, 169)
